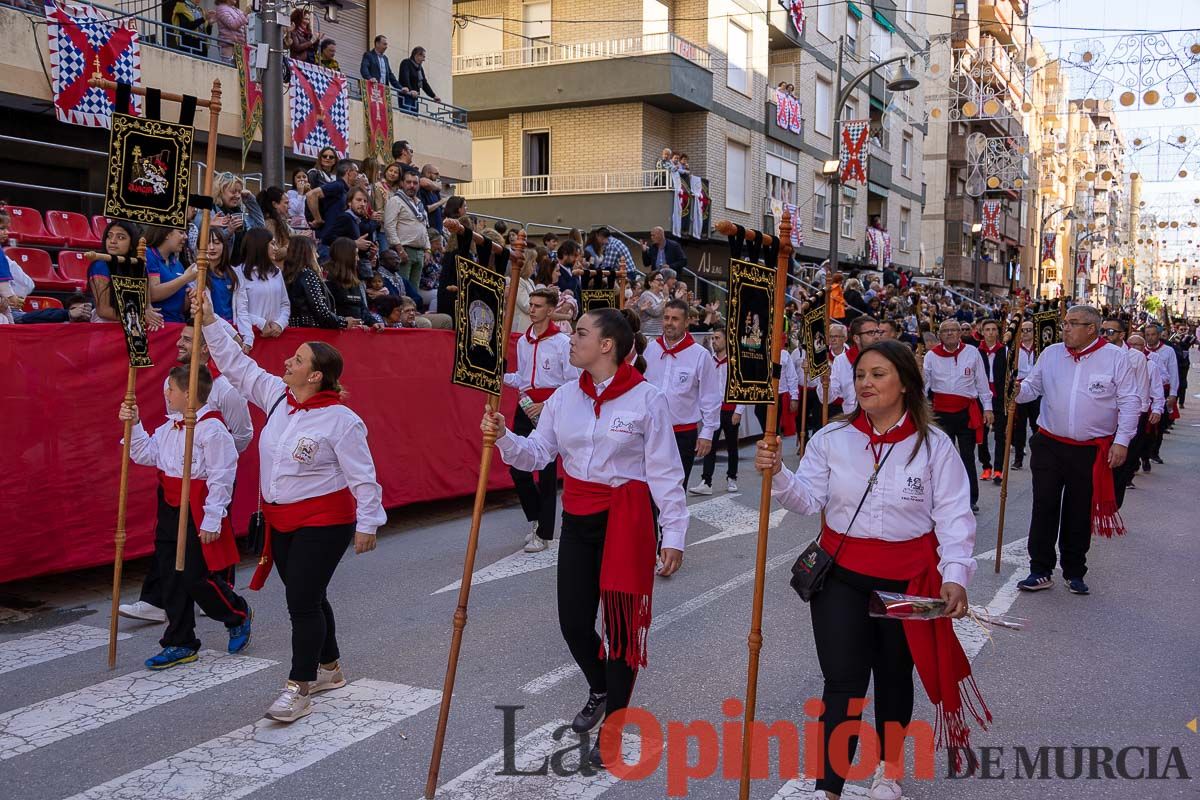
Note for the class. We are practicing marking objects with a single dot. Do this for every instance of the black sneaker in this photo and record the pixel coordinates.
(975, 508)
(591, 714)
(1145, 465)
(1019, 463)
(1156, 459)
(1077, 586)
(594, 759)
(1035, 582)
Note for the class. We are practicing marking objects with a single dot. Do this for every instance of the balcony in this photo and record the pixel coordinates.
(586, 73)
(960, 210)
(783, 133)
(996, 18)
(630, 201)
(879, 167)
(960, 30)
(879, 91)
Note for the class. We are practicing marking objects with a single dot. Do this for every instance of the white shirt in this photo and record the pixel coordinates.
(1164, 354)
(1087, 399)
(308, 453)
(961, 374)
(932, 492)
(257, 302)
(842, 372)
(214, 459)
(688, 379)
(542, 364)
(835, 379)
(1156, 381)
(789, 380)
(722, 366)
(1025, 361)
(631, 440)
(233, 407)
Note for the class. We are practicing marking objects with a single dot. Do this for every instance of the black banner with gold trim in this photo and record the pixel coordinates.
(130, 296)
(748, 331)
(1046, 330)
(598, 298)
(478, 326)
(812, 339)
(149, 171)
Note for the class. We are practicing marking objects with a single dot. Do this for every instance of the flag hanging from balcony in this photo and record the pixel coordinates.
(795, 9)
(990, 217)
(377, 108)
(879, 248)
(320, 110)
(1081, 263)
(788, 112)
(82, 40)
(251, 97)
(854, 146)
(704, 201)
(1048, 242)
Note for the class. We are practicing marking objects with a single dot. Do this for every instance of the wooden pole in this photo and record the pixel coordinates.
(802, 428)
(464, 588)
(622, 282)
(771, 436)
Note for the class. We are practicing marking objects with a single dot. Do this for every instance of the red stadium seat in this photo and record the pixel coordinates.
(73, 266)
(73, 227)
(99, 223)
(35, 303)
(36, 264)
(27, 227)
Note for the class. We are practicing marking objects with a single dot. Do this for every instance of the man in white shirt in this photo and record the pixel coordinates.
(1150, 392)
(731, 419)
(1026, 412)
(956, 377)
(1090, 408)
(687, 376)
(1168, 363)
(543, 364)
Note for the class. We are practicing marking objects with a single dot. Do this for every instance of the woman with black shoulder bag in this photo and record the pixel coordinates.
(897, 519)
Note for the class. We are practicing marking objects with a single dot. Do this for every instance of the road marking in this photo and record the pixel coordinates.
(24, 730)
(530, 751)
(241, 762)
(1017, 549)
(803, 790)
(558, 674)
(49, 645)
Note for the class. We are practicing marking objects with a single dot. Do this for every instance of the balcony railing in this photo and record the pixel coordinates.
(539, 54)
(586, 183)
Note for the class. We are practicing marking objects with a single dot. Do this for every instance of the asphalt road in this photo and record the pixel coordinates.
(1114, 670)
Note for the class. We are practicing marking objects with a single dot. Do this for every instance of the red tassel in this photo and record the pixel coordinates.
(629, 616)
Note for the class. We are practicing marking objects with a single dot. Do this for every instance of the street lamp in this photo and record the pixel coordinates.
(902, 81)
(1037, 264)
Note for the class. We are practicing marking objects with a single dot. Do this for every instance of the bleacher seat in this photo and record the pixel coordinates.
(37, 265)
(73, 266)
(27, 228)
(99, 223)
(35, 303)
(73, 227)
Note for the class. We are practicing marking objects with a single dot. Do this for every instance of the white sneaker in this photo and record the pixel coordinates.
(730, 485)
(701, 488)
(532, 532)
(142, 610)
(327, 680)
(290, 705)
(536, 544)
(883, 788)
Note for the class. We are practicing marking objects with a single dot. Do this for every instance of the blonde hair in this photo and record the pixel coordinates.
(222, 181)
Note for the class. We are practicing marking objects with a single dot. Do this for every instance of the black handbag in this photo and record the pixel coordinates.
(256, 529)
(813, 565)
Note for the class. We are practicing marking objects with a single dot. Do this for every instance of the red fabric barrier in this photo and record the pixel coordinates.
(63, 386)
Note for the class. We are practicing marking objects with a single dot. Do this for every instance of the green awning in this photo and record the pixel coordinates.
(882, 20)
(855, 10)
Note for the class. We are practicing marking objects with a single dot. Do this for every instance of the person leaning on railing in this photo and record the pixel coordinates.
(187, 15)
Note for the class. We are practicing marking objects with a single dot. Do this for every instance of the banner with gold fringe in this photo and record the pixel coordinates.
(478, 315)
(377, 110)
(748, 331)
(251, 97)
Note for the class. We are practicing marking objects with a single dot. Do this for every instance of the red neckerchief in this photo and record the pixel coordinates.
(876, 441)
(1156, 348)
(987, 351)
(852, 353)
(684, 343)
(1091, 348)
(210, 414)
(1029, 350)
(626, 378)
(941, 350)
(721, 361)
(319, 400)
(551, 330)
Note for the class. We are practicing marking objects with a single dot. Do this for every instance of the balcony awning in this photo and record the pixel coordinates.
(875, 188)
(855, 10)
(882, 20)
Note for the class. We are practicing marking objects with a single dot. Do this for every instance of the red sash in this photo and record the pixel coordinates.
(1106, 519)
(728, 406)
(955, 403)
(691, 426)
(941, 663)
(539, 395)
(335, 508)
(627, 564)
(218, 555)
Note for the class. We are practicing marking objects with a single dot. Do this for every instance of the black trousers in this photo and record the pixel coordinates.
(181, 591)
(730, 432)
(306, 559)
(1027, 414)
(1154, 438)
(996, 432)
(686, 442)
(579, 555)
(851, 648)
(1123, 475)
(958, 427)
(1062, 506)
(539, 501)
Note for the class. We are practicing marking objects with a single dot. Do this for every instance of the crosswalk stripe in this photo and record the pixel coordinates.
(509, 566)
(249, 758)
(1014, 550)
(803, 789)
(530, 751)
(23, 730)
(745, 525)
(48, 645)
(555, 676)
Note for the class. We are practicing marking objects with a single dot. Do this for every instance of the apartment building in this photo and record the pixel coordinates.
(572, 105)
(49, 164)
(1045, 260)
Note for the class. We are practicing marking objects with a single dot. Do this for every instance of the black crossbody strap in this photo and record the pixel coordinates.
(863, 499)
(274, 406)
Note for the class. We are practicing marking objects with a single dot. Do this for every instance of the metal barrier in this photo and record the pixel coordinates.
(34, 188)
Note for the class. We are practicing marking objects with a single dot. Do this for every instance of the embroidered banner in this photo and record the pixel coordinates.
(598, 298)
(748, 331)
(1046, 328)
(149, 171)
(477, 328)
(812, 339)
(130, 294)
(989, 212)
(251, 95)
(377, 110)
(1048, 242)
(320, 110)
(81, 41)
(854, 146)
